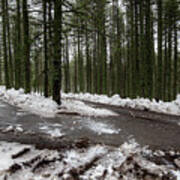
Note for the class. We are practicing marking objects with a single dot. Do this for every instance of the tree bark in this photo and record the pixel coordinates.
(18, 47)
(57, 51)
(46, 93)
(26, 48)
(5, 56)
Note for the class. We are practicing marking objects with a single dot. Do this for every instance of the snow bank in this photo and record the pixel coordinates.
(85, 110)
(46, 107)
(138, 103)
(35, 103)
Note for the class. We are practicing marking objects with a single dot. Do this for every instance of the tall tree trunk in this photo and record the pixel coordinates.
(175, 60)
(102, 54)
(75, 70)
(169, 69)
(67, 68)
(26, 47)
(45, 49)
(132, 89)
(0, 65)
(136, 84)
(160, 66)
(118, 55)
(88, 65)
(142, 49)
(95, 70)
(148, 54)
(57, 51)
(5, 56)
(18, 47)
(165, 67)
(80, 62)
(50, 46)
(11, 67)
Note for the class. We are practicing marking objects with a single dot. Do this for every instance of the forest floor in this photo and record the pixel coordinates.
(81, 147)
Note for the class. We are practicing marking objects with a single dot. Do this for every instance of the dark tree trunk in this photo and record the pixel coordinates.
(26, 47)
(11, 67)
(57, 51)
(175, 60)
(148, 53)
(160, 66)
(45, 49)
(5, 56)
(0, 65)
(88, 65)
(169, 63)
(67, 69)
(18, 47)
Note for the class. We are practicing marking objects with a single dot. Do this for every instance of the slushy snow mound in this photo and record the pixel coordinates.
(34, 102)
(100, 127)
(128, 162)
(46, 107)
(172, 107)
(85, 110)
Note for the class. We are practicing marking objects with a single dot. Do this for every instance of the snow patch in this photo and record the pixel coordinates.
(172, 107)
(52, 130)
(34, 102)
(6, 152)
(99, 127)
(46, 107)
(85, 110)
(77, 159)
(55, 133)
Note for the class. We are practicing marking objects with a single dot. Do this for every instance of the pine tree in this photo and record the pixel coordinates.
(18, 47)
(57, 51)
(66, 66)
(10, 59)
(148, 52)
(45, 49)
(5, 56)
(26, 47)
(160, 36)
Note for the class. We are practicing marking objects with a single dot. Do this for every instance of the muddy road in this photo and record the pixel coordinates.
(158, 131)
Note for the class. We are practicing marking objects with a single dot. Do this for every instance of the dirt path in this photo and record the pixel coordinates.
(159, 131)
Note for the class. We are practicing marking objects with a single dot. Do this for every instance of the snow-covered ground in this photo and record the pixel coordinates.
(128, 162)
(138, 103)
(37, 104)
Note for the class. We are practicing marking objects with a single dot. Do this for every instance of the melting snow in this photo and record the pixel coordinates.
(52, 130)
(46, 107)
(99, 127)
(85, 110)
(128, 162)
(177, 174)
(138, 103)
(55, 133)
(6, 152)
(34, 102)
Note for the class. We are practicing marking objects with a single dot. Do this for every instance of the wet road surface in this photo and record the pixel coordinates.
(156, 130)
